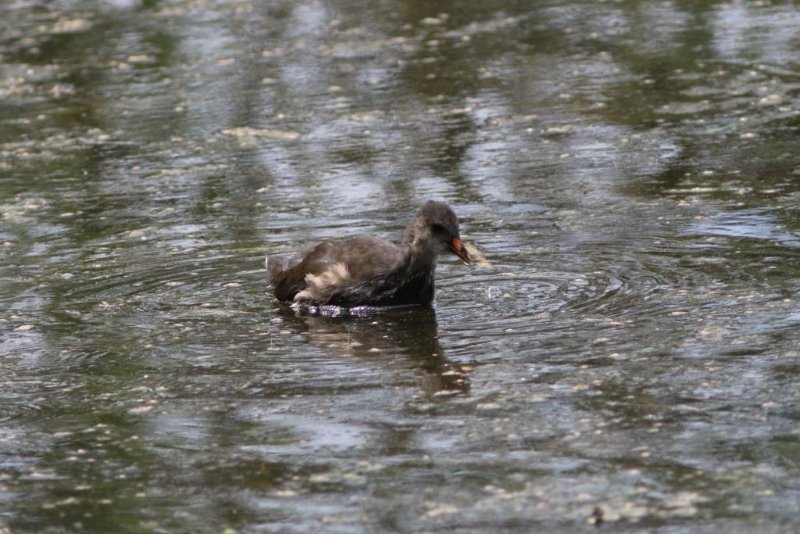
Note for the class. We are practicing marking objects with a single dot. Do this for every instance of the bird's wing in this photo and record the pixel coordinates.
(352, 262)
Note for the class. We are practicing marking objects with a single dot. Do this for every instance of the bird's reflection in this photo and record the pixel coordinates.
(410, 333)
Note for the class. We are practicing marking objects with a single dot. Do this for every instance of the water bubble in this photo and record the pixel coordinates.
(493, 292)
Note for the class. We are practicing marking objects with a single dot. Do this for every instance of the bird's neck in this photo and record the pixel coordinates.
(422, 257)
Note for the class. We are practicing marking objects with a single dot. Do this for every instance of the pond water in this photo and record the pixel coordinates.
(625, 359)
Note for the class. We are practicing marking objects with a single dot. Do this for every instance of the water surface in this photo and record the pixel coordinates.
(628, 356)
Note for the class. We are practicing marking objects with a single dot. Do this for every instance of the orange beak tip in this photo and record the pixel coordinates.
(460, 250)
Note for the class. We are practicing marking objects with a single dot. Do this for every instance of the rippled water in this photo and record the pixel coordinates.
(626, 356)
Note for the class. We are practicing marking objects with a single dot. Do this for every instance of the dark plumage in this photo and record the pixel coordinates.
(368, 270)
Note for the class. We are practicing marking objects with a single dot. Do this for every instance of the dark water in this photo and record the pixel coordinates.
(627, 356)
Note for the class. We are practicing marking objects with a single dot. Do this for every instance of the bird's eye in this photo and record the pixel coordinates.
(438, 229)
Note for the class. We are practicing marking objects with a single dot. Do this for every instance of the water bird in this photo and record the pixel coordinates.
(365, 270)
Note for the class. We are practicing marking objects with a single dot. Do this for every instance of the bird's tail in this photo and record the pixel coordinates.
(274, 265)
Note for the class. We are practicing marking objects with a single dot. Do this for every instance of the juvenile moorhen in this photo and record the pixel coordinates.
(369, 271)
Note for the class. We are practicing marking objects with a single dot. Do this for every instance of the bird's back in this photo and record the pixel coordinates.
(351, 271)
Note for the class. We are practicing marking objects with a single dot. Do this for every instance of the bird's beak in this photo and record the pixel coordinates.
(459, 250)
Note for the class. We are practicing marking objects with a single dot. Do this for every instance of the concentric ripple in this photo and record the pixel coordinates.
(608, 292)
